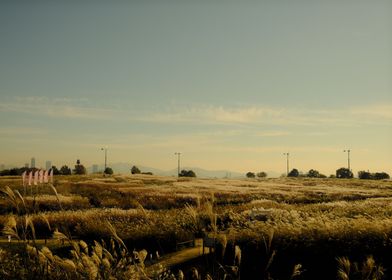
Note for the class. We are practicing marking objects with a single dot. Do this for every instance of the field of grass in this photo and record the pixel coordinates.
(266, 229)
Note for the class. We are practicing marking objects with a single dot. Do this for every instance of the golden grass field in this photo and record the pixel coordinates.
(300, 228)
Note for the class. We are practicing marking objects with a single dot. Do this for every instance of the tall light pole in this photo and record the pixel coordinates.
(106, 156)
(287, 161)
(178, 155)
(348, 158)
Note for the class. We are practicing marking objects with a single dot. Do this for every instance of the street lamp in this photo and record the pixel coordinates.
(178, 155)
(348, 158)
(287, 162)
(106, 156)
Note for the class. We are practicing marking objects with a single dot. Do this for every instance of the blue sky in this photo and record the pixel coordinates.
(231, 84)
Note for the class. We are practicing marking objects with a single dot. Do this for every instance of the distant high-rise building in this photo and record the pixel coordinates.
(32, 165)
(2, 167)
(95, 168)
(26, 165)
(48, 165)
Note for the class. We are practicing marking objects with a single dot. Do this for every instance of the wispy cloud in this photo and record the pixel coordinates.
(282, 116)
(377, 111)
(204, 114)
(21, 131)
(272, 133)
(58, 108)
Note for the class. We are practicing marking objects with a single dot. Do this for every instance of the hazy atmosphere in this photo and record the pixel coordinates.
(231, 85)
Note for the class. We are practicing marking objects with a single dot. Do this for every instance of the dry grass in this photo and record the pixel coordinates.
(302, 213)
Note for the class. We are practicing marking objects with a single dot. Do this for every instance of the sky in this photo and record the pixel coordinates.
(229, 84)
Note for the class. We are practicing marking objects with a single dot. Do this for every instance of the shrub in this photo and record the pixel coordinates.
(373, 176)
(108, 171)
(364, 175)
(65, 170)
(313, 173)
(262, 174)
(381, 176)
(55, 170)
(344, 173)
(250, 175)
(187, 173)
(135, 170)
(79, 169)
(293, 173)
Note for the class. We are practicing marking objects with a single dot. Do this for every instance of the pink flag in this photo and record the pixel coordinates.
(46, 176)
(30, 177)
(41, 176)
(36, 174)
(24, 178)
(51, 175)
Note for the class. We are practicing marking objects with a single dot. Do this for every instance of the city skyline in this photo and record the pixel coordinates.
(231, 86)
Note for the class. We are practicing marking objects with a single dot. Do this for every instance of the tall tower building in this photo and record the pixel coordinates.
(48, 165)
(95, 168)
(32, 165)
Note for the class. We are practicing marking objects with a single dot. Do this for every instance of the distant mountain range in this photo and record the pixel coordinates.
(124, 168)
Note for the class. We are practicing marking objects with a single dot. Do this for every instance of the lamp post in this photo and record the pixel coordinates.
(106, 156)
(348, 158)
(287, 162)
(178, 168)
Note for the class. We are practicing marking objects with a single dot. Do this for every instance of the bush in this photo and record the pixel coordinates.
(56, 171)
(108, 171)
(373, 176)
(65, 170)
(313, 173)
(5, 172)
(262, 174)
(381, 176)
(293, 173)
(135, 170)
(344, 173)
(365, 175)
(80, 169)
(187, 173)
(250, 175)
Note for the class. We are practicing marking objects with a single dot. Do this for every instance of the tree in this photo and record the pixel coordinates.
(250, 175)
(65, 170)
(14, 172)
(313, 173)
(187, 173)
(55, 170)
(381, 176)
(344, 173)
(108, 171)
(293, 173)
(135, 170)
(373, 176)
(365, 175)
(5, 172)
(262, 174)
(79, 169)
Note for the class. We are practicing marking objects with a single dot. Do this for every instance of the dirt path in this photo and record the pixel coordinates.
(176, 258)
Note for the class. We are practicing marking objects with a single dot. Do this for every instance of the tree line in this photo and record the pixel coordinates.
(342, 173)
